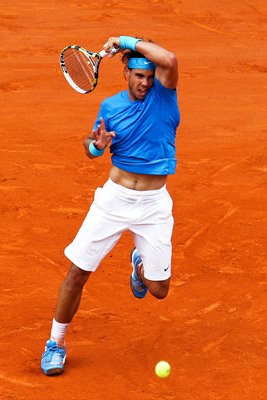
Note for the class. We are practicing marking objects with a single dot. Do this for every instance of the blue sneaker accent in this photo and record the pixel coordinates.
(53, 358)
(139, 289)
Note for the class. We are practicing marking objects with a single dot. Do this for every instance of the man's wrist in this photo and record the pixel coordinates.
(128, 42)
(94, 150)
(96, 146)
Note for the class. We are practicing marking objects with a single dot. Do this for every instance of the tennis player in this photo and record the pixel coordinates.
(139, 126)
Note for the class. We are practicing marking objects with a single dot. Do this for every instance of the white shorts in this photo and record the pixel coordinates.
(147, 214)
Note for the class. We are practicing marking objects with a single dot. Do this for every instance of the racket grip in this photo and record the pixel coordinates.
(103, 53)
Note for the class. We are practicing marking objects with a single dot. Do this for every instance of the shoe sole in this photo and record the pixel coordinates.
(54, 371)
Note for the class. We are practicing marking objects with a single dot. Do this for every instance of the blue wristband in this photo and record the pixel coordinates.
(94, 151)
(128, 42)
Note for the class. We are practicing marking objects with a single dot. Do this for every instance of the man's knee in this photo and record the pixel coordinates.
(76, 277)
(159, 289)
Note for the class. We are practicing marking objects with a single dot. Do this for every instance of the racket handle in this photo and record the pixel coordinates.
(103, 53)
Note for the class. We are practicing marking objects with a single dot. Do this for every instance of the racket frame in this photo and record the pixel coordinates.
(93, 58)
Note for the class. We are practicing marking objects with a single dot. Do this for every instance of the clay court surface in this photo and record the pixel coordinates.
(212, 326)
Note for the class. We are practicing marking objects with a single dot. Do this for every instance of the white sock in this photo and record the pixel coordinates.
(58, 332)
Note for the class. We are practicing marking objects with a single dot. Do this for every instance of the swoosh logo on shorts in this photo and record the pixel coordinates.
(166, 269)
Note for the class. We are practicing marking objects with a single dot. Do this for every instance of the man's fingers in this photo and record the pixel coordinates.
(96, 133)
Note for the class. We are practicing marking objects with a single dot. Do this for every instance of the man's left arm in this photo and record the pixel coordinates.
(165, 60)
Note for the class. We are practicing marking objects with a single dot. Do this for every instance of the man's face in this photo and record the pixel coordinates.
(139, 82)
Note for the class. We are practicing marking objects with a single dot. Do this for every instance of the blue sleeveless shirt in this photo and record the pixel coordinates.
(145, 130)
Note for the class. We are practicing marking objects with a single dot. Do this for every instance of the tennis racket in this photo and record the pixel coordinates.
(80, 67)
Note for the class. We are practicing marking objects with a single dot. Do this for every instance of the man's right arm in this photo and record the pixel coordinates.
(88, 139)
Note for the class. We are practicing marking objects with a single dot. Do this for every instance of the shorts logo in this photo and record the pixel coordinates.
(166, 269)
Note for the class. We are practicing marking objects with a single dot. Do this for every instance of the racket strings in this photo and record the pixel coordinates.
(80, 68)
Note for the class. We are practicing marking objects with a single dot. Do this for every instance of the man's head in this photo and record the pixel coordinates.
(139, 72)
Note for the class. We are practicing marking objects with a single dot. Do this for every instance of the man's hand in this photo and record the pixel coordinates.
(102, 137)
(112, 43)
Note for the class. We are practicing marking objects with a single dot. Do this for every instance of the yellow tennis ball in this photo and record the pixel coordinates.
(162, 369)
